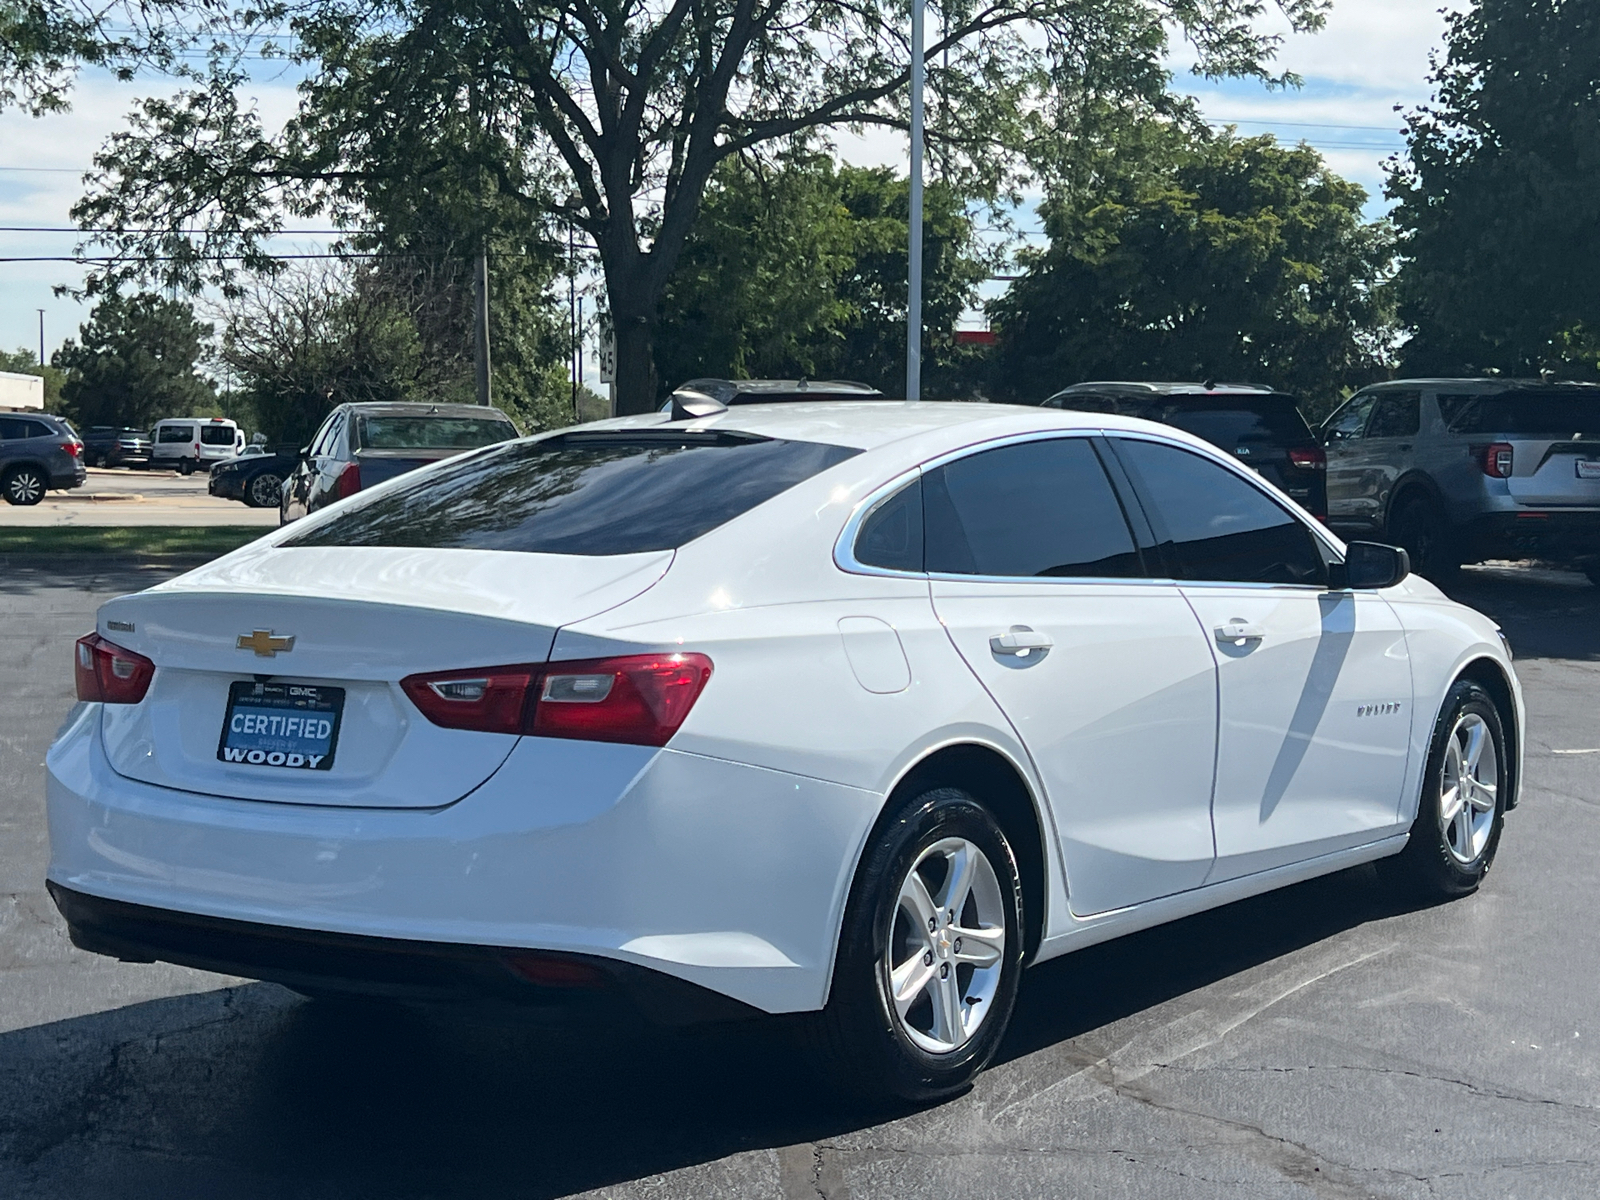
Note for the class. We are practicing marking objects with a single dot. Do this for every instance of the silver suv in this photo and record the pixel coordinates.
(1462, 470)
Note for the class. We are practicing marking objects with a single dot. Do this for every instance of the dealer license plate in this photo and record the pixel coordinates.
(290, 725)
(1588, 468)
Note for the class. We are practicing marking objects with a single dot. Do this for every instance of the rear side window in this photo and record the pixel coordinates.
(175, 433)
(12, 428)
(1026, 510)
(431, 433)
(216, 435)
(588, 494)
(1556, 414)
(891, 536)
(1397, 414)
(1215, 525)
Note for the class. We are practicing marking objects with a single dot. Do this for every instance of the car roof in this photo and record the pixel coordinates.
(1486, 385)
(870, 426)
(748, 391)
(1136, 388)
(403, 408)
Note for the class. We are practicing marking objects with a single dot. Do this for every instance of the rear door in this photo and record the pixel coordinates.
(1104, 673)
(1314, 685)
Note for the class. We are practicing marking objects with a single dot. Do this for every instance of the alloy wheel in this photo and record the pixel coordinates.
(947, 946)
(266, 490)
(1469, 785)
(25, 487)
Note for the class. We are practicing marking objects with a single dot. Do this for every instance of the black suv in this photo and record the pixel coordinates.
(1264, 429)
(359, 445)
(109, 446)
(38, 453)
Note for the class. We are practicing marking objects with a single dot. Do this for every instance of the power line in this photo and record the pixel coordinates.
(113, 229)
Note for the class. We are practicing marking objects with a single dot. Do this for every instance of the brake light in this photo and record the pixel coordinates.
(1497, 461)
(641, 699)
(73, 448)
(106, 672)
(1314, 459)
(349, 481)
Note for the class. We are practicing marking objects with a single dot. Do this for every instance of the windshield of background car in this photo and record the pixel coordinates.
(1558, 414)
(432, 433)
(1229, 421)
(588, 494)
(217, 435)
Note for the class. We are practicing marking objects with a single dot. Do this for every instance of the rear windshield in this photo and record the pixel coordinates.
(217, 435)
(432, 433)
(1225, 421)
(1557, 414)
(589, 494)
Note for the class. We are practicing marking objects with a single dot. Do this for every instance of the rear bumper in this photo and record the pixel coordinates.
(728, 877)
(66, 480)
(1533, 533)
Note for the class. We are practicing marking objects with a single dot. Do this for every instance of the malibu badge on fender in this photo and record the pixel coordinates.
(281, 725)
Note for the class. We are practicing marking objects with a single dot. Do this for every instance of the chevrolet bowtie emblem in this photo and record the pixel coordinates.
(264, 644)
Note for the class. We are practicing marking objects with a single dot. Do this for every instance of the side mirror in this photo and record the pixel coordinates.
(305, 453)
(1369, 565)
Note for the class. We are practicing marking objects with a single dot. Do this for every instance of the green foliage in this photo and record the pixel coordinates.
(800, 272)
(23, 361)
(1499, 203)
(134, 363)
(1202, 258)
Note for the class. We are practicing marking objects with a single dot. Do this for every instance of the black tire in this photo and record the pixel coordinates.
(264, 491)
(24, 486)
(1421, 529)
(1429, 868)
(186, 466)
(859, 1040)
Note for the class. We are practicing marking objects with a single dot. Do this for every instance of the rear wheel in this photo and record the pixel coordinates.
(1421, 529)
(264, 491)
(930, 954)
(24, 485)
(186, 466)
(1462, 810)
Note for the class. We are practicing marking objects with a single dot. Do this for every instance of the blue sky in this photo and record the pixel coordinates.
(1372, 56)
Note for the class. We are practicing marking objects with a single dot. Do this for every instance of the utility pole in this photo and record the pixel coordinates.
(914, 278)
(480, 324)
(41, 337)
(576, 359)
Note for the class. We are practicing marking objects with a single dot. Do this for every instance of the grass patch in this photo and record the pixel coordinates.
(142, 541)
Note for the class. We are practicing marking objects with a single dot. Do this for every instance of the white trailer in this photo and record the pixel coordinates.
(21, 391)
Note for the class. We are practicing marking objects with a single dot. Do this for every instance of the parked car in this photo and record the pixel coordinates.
(785, 709)
(110, 446)
(1263, 428)
(729, 392)
(254, 450)
(255, 479)
(363, 444)
(1461, 470)
(38, 453)
(184, 443)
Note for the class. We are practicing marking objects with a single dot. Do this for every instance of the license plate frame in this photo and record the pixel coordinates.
(271, 731)
(1588, 468)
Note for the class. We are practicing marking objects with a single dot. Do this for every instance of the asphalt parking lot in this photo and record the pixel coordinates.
(1318, 1042)
(128, 496)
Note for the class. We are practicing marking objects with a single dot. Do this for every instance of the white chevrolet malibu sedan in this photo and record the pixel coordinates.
(852, 710)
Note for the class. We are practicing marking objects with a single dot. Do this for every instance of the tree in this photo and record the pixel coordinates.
(1499, 197)
(1205, 258)
(801, 272)
(615, 116)
(134, 363)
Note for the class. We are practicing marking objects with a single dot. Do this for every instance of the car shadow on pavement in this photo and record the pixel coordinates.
(252, 1091)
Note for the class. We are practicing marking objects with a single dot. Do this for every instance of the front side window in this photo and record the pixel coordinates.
(1217, 526)
(176, 433)
(1347, 424)
(1397, 414)
(623, 492)
(1041, 508)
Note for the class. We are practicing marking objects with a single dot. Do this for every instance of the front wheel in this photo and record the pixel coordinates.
(930, 954)
(1461, 813)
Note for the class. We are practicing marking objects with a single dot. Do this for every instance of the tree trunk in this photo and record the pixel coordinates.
(633, 322)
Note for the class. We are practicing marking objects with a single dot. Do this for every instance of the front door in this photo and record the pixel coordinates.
(1342, 439)
(1314, 685)
(1104, 673)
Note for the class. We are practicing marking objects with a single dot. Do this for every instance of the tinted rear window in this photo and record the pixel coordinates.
(586, 494)
(1271, 420)
(432, 433)
(217, 435)
(1558, 414)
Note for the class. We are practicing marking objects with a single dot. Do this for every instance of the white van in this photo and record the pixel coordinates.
(183, 443)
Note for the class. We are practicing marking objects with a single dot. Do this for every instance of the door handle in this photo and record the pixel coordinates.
(1239, 632)
(1021, 642)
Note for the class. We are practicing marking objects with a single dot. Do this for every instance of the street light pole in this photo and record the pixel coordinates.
(41, 337)
(914, 275)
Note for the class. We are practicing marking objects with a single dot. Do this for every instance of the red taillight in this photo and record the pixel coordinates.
(640, 699)
(1313, 459)
(106, 672)
(349, 481)
(1497, 460)
(73, 448)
